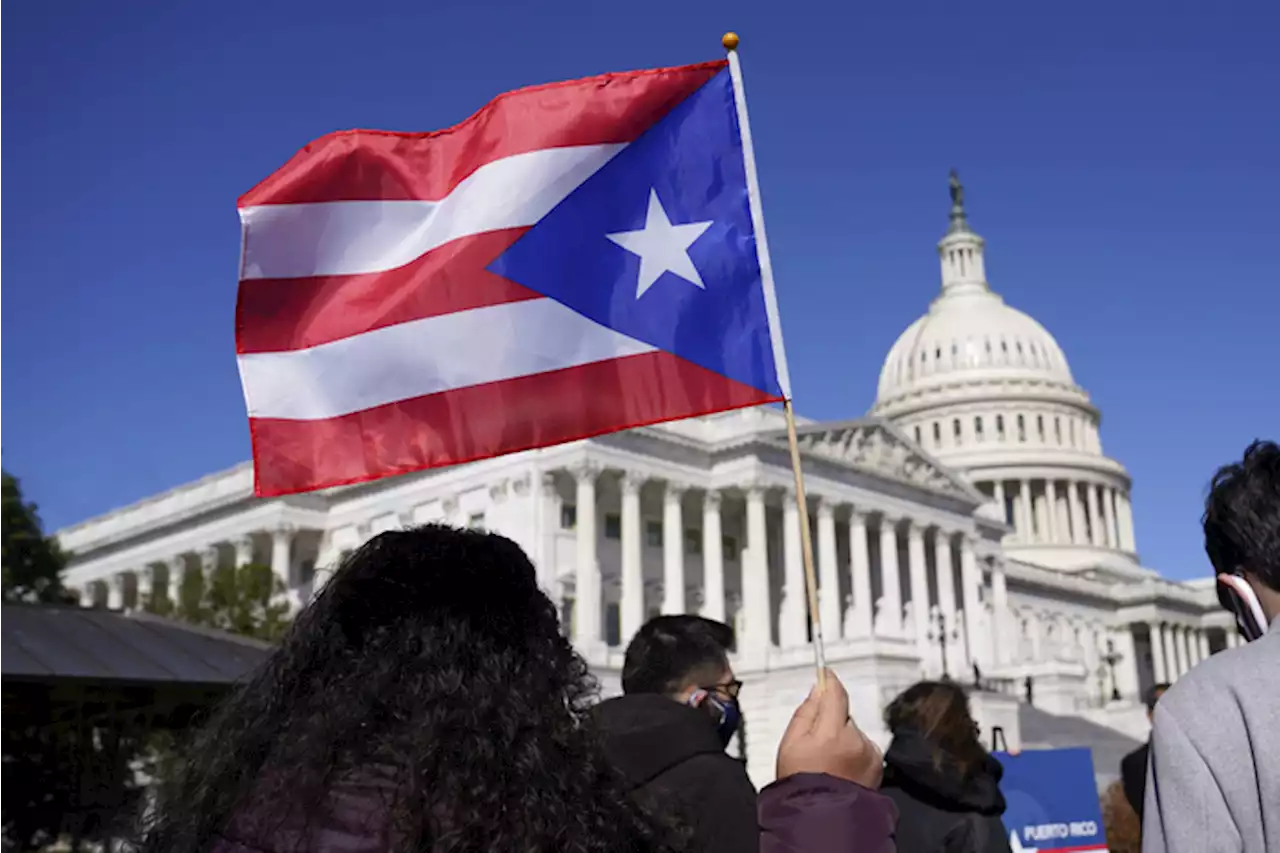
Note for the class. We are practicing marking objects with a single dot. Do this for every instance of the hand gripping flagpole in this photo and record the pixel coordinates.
(730, 42)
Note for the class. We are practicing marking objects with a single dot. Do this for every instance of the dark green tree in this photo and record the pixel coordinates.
(31, 561)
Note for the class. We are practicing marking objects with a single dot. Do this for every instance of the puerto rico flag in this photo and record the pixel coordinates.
(574, 259)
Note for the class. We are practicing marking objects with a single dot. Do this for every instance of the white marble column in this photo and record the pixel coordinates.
(632, 604)
(997, 494)
(917, 570)
(1202, 641)
(673, 549)
(1233, 637)
(1113, 509)
(888, 621)
(244, 551)
(828, 572)
(862, 609)
(87, 597)
(1188, 649)
(177, 575)
(1126, 671)
(1099, 538)
(208, 563)
(548, 497)
(1051, 501)
(756, 608)
(970, 583)
(281, 546)
(1001, 636)
(945, 580)
(1125, 512)
(1026, 532)
(791, 622)
(1078, 533)
(712, 558)
(1108, 518)
(1158, 669)
(587, 622)
(115, 591)
(1179, 639)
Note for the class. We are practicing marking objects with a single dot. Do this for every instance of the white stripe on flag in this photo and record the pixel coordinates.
(354, 237)
(426, 356)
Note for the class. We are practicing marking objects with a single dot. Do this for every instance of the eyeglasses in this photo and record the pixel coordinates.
(727, 688)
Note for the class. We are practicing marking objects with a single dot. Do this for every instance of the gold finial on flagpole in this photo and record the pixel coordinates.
(730, 41)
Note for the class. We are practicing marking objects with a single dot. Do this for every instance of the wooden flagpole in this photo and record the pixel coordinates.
(730, 43)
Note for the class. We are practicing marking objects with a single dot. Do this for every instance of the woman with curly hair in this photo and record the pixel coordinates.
(427, 701)
(946, 786)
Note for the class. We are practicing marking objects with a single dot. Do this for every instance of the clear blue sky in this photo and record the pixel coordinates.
(1122, 160)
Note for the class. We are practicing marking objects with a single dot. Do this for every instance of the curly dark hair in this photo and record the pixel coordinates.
(429, 682)
(1242, 515)
(939, 712)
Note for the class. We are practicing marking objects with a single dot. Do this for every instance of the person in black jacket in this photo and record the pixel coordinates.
(944, 783)
(1133, 767)
(667, 734)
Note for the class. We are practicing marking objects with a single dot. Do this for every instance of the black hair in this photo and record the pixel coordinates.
(672, 653)
(1242, 515)
(1154, 692)
(430, 682)
(939, 712)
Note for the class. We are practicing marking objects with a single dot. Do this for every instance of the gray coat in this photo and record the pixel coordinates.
(1213, 784)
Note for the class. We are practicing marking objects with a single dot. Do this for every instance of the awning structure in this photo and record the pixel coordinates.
(68, 644)
(86, 692)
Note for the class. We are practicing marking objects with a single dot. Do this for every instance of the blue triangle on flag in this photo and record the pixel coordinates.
(605, 251)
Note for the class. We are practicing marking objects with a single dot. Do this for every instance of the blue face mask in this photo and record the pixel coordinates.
(725, 713)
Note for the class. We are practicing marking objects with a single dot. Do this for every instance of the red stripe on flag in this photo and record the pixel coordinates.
(487, 420)
(367, 165)
(275, 315)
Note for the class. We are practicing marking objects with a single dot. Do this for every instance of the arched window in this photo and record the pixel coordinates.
(955, 431)
(1022, 428)
(917, 434)
(937, 434)
(1057, 429)
(977, 427)
(1040, 427)
(999, 427)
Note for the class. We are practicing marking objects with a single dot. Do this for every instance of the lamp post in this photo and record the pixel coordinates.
(938, 634)
(1111, 658)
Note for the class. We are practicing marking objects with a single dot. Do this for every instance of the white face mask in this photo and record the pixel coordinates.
(1236, 595)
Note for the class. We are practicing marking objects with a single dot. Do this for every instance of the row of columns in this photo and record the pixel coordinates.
(1066, 512)
(856, 617)
(1175, 649)
(134, 588)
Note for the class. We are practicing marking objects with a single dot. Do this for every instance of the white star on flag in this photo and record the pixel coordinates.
(662, 247)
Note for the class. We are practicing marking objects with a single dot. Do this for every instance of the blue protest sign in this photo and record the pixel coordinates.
(1052, 801)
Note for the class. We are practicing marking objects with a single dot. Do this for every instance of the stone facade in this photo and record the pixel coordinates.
(970, 526)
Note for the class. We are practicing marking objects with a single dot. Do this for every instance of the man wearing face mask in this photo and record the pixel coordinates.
(1213, 781)
(667, 734)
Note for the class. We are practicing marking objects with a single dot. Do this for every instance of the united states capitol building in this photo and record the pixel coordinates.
(970, 525)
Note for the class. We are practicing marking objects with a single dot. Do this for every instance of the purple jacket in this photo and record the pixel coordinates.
(816, 813)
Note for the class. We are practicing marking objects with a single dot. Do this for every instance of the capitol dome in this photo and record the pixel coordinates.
(986, 389)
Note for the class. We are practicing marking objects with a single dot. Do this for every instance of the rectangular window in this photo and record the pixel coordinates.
(612, 526)
(1057, 430)
(653, 534)
(568, 516)
(693, 541)
(1000, 427)
(977, 427)
(937, 434)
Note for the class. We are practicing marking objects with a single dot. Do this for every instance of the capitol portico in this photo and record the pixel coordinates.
(972, 526)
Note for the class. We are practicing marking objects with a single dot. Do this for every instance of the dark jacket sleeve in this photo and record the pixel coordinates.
(1133, 776)
(816, 813)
